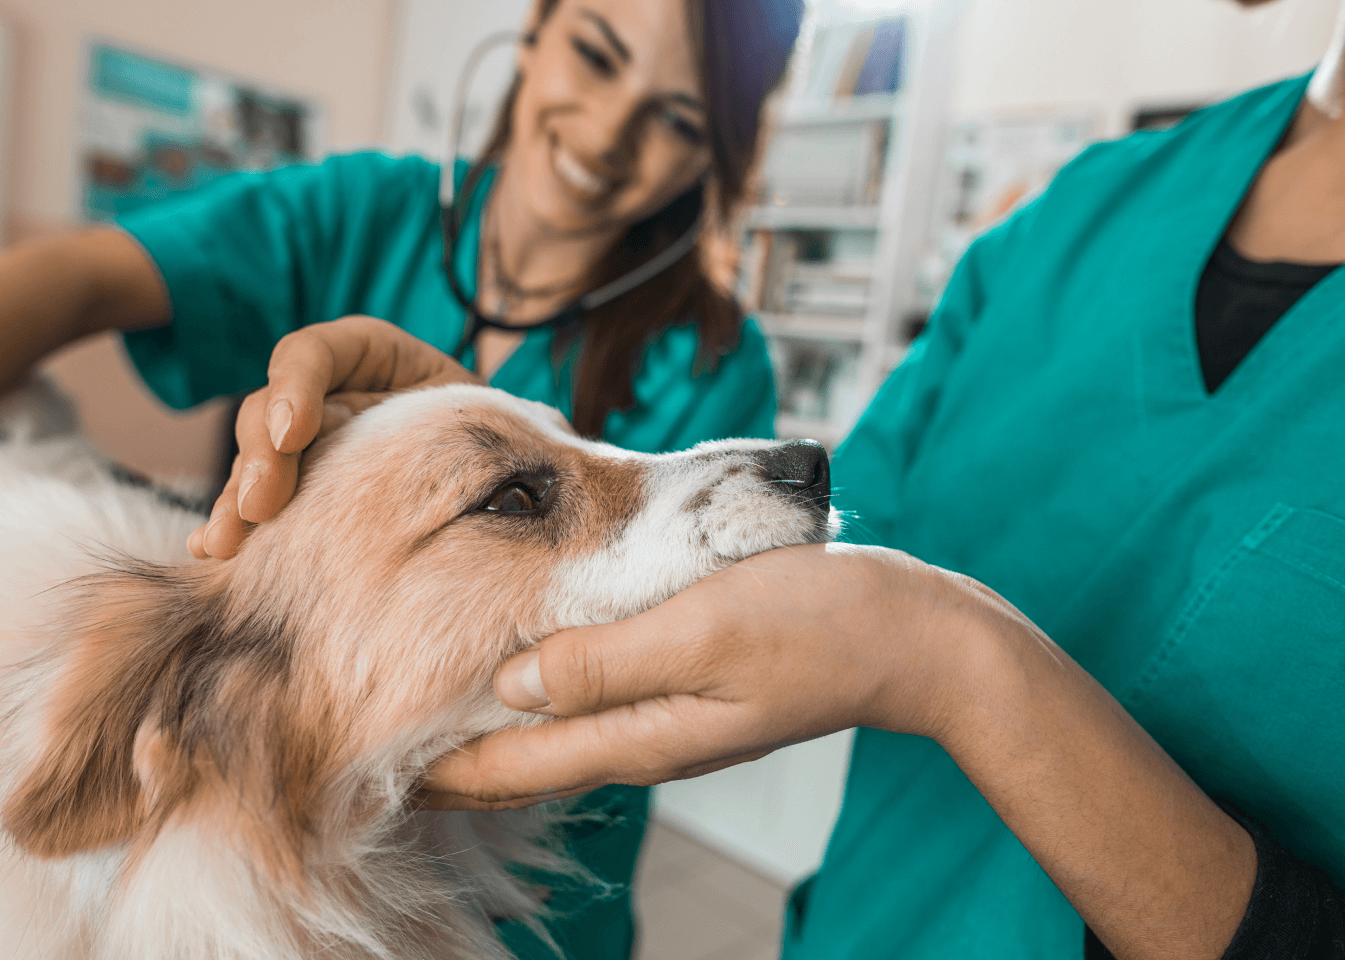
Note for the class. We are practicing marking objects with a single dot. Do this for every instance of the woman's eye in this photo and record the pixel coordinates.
(596, 59)
(514, 498)
(683, 128)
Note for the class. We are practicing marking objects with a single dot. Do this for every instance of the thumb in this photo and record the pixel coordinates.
(587, 669)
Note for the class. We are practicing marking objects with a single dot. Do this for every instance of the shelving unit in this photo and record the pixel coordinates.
(789, 217)
(804, 327)
(846, 206)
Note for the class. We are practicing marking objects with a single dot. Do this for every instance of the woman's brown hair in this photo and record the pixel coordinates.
(742, 48)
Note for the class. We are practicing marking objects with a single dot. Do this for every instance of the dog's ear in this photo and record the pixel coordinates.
(104, 762)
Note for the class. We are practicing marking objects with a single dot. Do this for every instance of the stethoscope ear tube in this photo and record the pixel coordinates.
(461, 91)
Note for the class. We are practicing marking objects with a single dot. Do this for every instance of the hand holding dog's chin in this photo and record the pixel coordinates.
(783, 647)
(318, 378)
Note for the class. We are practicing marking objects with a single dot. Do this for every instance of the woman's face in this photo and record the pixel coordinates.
(609, 125)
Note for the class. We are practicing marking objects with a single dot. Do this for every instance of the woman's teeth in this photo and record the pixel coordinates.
(578, 176)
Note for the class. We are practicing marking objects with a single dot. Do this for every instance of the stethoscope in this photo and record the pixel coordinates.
(476, 319)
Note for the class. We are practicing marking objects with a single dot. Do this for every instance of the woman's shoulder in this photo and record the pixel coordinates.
(371, 174)
(1205, 136)
(337, 186)
(373, 165)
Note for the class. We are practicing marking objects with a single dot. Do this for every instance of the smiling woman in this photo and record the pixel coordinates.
(623, 122)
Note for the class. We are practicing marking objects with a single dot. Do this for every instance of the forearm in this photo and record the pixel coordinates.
(1148, 860)
(54, 292)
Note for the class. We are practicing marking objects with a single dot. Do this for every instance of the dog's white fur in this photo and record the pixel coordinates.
(212, 760)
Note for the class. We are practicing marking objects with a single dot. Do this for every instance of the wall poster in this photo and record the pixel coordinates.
(154, 129)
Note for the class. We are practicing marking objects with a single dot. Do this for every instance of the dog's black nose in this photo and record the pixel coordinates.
(801, 469)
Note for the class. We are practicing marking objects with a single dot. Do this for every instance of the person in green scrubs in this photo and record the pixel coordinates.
(1117, 452)
(630, 126)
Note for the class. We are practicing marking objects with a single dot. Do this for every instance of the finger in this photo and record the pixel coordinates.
(712, 766)
(196, 542)
(353, 353)
(644, 743)
(266, 478)
(222, 535)
(669, 649)
(426, 799)
(300, 375)
(434, 799)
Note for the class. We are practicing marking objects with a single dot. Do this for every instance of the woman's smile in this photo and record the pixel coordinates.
(578, 179)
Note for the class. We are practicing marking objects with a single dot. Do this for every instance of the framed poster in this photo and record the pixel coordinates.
(154, 129)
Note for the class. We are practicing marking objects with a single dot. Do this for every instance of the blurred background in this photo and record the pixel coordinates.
(904, 130)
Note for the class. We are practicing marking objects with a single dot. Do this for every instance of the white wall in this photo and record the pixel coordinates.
(775, 814)
(6, 105)
(432, 42)
(1112, 55)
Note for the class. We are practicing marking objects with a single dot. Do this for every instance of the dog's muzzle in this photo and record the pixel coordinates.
(801, 471)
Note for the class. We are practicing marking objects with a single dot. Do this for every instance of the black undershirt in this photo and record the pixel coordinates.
(1296, 912)
(1239, 300)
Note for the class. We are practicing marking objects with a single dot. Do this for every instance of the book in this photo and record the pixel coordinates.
(881, 72)
(853, 64)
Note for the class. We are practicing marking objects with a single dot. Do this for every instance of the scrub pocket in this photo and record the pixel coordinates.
(1247, 689)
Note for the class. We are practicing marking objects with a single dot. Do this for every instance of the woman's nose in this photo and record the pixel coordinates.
(799, 469)
(609, 133)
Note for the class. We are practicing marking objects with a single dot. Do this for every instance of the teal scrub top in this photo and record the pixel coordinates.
(257, 256)
(1050, 435)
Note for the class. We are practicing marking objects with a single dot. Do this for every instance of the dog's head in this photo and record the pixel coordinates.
(353, 639)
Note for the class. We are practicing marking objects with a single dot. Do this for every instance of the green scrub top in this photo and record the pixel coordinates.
(257, 256)
(1050, 435)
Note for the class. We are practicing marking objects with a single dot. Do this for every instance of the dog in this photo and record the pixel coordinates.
(214, 760)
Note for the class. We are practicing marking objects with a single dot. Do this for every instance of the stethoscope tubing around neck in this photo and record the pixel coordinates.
(476, 319)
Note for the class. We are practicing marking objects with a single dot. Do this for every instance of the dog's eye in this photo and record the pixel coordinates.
(513, 498)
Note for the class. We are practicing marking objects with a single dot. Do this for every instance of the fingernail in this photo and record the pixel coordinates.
(279, 420)
(205, 534)
(249, 478)
(519, 686)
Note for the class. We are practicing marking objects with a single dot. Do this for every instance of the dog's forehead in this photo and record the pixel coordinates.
(472, 411)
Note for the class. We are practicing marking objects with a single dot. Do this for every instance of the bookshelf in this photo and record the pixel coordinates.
(789, 217)
(845, 205)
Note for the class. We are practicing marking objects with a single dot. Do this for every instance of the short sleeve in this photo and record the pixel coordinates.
(886, 439)
(254, 257)
(678, 404)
